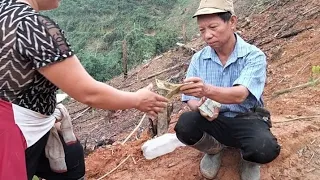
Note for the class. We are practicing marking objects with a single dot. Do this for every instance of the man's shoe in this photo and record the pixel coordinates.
(211, 161)
(249, 170)
(210, 165)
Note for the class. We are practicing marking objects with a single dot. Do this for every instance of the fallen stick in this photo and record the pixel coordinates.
(310, 10)
(153, 127)
(281, 29)
(265, 42)
(185, 47)
(297, 119)
(302, 69)
(128, 85)
(158, 73)
(115, 168)
(77, 112)
(311, 158)
(270, 6)
(313, 83)
(135, 129)
(285, 78)
(134, 161)
(80, 114)
(145, 66)
(296, 32)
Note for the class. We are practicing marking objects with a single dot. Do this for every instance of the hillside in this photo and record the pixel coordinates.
(289, 33)
(97, 28)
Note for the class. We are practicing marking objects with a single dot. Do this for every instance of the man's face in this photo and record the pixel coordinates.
(48, 4)
(214, 31)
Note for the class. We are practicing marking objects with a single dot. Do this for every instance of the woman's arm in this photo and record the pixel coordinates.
(70, 76)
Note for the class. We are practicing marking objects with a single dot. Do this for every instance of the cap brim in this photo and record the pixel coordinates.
(205, 11)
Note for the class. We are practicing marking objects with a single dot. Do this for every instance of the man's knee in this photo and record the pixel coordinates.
(186, 128)
(261, 150)
(185, 124)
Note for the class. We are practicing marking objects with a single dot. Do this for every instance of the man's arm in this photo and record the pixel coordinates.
(223, 95)
(227, 95)
(251, 80)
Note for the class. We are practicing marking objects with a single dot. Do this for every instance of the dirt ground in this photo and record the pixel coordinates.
(289, 33)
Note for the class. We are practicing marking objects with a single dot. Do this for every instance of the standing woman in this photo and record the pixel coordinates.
(36, 60)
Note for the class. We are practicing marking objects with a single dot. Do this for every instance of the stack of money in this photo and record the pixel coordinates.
(208, 107)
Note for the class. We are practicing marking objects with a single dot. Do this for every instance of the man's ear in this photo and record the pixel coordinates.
(233, 22)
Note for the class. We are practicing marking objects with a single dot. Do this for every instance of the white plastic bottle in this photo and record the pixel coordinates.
(161, 145)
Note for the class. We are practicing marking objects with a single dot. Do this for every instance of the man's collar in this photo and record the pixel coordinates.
(241, 47)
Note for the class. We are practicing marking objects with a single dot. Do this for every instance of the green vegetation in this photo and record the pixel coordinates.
(315, 74)
(316, 69)
(97, 28)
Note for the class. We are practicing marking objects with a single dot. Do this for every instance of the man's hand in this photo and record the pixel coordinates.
(194, 86)
(150, 102)
(215, 111)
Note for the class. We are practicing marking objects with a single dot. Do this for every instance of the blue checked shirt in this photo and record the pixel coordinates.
(246, 66)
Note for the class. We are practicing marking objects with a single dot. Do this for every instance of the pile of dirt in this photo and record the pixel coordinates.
(299, 159)
(289, 33)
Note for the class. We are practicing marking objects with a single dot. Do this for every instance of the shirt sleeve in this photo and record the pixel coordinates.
(40, 40)
(253, 75)
(191, 72)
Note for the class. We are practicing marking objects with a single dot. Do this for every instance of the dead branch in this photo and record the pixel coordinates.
(153, 127)
(78, 110)
(162, 118)
(125, 59)
(134, 161)
(286, 2)
(315, 7)
(305, 118)
(176, 77)
(153, 75)
(184, 32)
(265, 42)
(115, 168)
(85, 143)
(312, 83)
(311, 158)
(280, 31)
(80, 114)
(161, 72)
(88, 119)
(128, 85)
(314, 13)
(145, 66)
(285, 78)
(187, 48)
(266, 9)
(135, 129)
(156, 58)
(302, 69)
(247, 22)
(295, 32)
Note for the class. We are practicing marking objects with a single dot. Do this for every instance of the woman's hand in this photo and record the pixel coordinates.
(150, 102)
